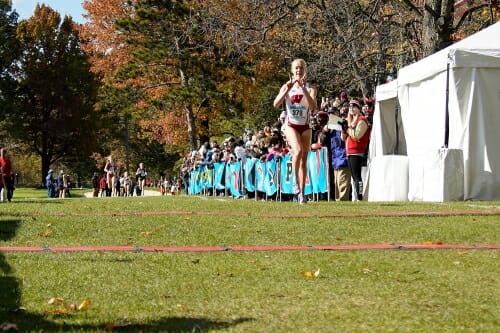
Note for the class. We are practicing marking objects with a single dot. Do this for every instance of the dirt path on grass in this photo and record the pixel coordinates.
(486, 211)
(471, 212)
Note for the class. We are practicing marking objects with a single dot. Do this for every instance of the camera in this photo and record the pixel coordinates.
(343, 123)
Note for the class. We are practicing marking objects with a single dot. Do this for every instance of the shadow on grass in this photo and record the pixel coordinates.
(13, 317)
(27, 322)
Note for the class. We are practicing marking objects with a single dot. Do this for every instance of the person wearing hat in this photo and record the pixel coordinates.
(358, 136)
(300, 101)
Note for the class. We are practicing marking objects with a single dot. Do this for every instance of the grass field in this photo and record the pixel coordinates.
(453, 290)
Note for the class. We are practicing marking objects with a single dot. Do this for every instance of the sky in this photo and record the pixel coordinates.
(26, 8)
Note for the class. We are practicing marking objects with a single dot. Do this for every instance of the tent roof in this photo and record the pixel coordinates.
(387, 91)
(481, 49)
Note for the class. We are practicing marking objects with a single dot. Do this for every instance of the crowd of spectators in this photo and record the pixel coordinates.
(270, 141)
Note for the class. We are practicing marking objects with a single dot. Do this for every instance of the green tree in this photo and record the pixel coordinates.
(56, 92)
(9, 51)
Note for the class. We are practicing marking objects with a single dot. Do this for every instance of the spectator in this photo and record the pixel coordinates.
(340, 164)
(95, 185)
(60, 184)
(50, 184)
(357, 143)
(275, 148)
(6, 179)
(239, 151)
(103, 186)
(67, 186)
(344, 99)
(116, 187)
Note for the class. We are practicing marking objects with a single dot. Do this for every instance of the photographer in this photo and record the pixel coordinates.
(339, 162)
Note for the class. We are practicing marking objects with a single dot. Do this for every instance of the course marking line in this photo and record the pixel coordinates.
(248, 248)
(493, 212)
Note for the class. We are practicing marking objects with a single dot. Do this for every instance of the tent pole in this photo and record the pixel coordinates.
(447, 109)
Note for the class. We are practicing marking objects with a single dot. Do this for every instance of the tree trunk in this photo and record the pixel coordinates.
(190, 117)
(437, 25)
(193, 142)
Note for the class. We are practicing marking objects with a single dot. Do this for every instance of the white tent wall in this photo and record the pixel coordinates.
(469, 167)
(387, 123)
(479, 89)
(388, 165)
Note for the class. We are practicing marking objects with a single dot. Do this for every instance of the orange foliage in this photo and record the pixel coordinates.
(169, 129)
(106, 47)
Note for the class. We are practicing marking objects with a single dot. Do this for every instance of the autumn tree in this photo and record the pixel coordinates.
(189, 78)
(56, 92)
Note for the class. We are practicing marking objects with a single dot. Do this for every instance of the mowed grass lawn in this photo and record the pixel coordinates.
(453, 290)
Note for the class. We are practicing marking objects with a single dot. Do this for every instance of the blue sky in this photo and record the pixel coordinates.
(26, 8)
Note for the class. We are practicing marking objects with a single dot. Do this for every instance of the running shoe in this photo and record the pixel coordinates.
(302, 199)
(296, 189)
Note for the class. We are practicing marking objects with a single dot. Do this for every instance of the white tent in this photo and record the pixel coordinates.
(450, 111)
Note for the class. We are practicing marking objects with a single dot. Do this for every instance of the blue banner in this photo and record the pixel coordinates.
(219, 179)
(260, 176)
(234, 186)
(249, 170)
(195, 182)
(271, 186)
(286, 175)
(316, 165)
(207, 178)
(257, 175)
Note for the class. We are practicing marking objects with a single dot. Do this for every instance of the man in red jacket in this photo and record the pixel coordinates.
(7, 183)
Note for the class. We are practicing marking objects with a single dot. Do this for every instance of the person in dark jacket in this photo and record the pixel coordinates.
(51, 186)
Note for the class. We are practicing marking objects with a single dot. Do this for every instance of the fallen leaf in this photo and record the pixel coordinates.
(181, 307)
(427, 242)
(366, 270)
(73, 307)
(47, 233)
(55, 300)
(146, 233)
(456, 263)
(310, 274)
(84, 305)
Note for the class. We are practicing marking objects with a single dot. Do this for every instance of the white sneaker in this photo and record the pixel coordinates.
(302, 199)
(296, 189)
